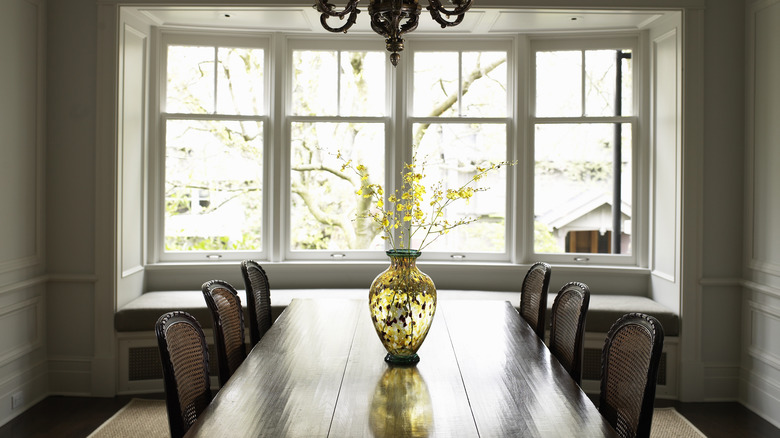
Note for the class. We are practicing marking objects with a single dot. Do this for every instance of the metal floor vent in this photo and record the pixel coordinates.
(144, 363)
(591, 366)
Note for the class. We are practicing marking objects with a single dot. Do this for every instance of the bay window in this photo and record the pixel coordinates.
(253, 131)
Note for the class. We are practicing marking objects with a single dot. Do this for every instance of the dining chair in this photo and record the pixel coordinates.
(533, 296)
(258, 299)
(567, 327)
(185, 363)
(629, 371)
(225, 306)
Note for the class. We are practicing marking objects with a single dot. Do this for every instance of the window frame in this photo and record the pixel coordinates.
(470, 44)
(520, 121)
(284, 112)
(638, 162)
(159, 117)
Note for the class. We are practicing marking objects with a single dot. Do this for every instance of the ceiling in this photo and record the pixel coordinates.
(476, 21)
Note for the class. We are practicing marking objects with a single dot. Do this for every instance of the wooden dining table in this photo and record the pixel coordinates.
(319, 372)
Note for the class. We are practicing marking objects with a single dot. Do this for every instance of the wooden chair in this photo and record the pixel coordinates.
(185, 363)
(258, 300)
(225, 305)
(533, 296)
(567, 327)
(629, 371)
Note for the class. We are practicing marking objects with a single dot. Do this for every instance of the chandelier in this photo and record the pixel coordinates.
(392, 18)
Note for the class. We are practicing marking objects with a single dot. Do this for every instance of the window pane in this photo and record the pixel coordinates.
(190, 78)
(435, 84)
(600, 83)
(628, 86)
(240, 81)
(450, 154)
(363, 84)
(213, 182)
(574, 186)
(324, 202)
(315, 83)
(559, 84)
(484, 84)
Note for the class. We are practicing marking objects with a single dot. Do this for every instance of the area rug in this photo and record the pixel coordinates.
(148, 419)
(668, 423)
(138, 418)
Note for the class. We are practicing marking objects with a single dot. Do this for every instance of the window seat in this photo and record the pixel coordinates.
(141, 313)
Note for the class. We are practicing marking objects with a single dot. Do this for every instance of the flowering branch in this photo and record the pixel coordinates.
(404, 209)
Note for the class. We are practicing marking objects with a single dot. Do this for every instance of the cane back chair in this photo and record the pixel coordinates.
(185, 363)
(629, 371)
(258, 300)
(567, 327)
(225, 306)
(533, 296)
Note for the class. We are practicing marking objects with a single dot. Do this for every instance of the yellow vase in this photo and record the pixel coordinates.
(402, 301)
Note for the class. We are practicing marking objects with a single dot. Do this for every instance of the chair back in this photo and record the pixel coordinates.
(185, 363)
(567, 327)
(258, 300)
(629, 371)
(533, 296)
(225, 305)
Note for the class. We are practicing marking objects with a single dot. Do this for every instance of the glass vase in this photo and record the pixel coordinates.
(402, 301)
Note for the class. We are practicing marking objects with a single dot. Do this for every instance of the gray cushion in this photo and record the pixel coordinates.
(141, 313)
(604, 310)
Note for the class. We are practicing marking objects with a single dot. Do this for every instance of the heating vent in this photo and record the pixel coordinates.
(145, 363)
(591, 366)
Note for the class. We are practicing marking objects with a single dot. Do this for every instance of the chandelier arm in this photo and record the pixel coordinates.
(443, 21)
(352, 19)
(410, 25)
(328, 10)
(461, 7)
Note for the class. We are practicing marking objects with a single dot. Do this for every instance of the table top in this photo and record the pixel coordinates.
(320, 372)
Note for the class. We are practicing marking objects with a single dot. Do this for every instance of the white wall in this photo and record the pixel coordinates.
(760, 374)
(23, 368)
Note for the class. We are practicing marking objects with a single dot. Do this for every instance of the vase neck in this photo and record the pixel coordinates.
(403, 257)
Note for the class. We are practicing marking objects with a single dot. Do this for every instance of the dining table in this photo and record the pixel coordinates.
(319, 372)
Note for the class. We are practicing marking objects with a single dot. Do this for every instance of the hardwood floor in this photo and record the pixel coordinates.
(77, 417)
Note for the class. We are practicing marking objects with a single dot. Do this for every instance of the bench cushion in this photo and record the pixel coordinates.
(141, 313)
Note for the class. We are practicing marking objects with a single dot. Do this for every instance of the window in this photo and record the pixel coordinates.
(340, 106)
(252, 142)
(583, 141)
(459, 122)
(338, 110)
(213, 120)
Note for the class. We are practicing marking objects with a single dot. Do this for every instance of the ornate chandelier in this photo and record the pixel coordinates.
(392, 18)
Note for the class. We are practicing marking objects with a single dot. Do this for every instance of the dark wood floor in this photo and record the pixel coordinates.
(77, 417)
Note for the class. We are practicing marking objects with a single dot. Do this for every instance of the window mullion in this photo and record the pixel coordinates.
(583, 83)
(216, 73)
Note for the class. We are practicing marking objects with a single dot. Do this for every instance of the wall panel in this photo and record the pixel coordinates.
(21, 135)
(760, 376)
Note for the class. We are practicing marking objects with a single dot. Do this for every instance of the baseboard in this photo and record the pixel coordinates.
(760, 396)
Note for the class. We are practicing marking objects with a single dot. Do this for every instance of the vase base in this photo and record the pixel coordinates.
(402, 360)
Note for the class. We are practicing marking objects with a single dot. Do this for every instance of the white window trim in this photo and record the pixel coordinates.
(501, 43)
(638, 224)
(276, 175)
(283, 112)
(163, 38)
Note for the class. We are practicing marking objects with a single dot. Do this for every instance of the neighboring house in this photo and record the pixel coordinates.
(583, 224)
